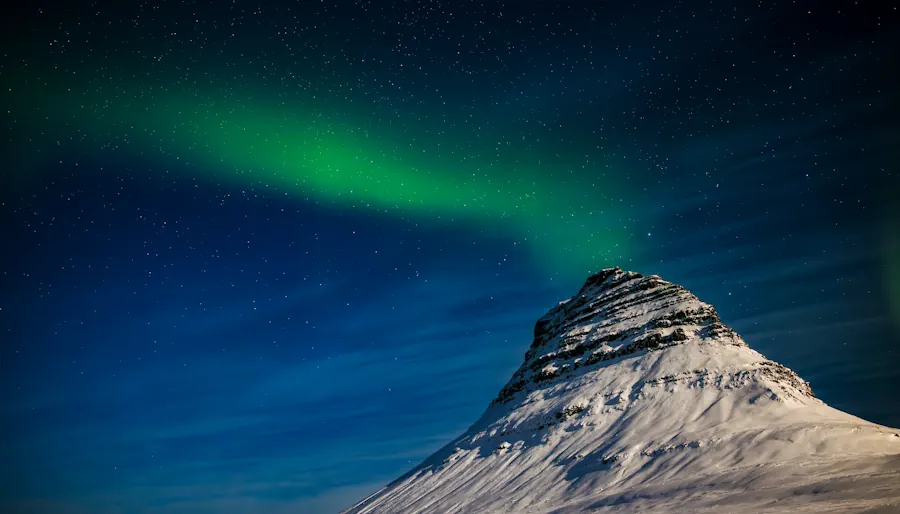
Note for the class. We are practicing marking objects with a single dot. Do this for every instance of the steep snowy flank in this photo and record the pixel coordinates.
(635, 397)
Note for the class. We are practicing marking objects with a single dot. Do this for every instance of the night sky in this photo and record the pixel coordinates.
(266, 256)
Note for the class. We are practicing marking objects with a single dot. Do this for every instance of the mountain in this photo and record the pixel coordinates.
(635, 397)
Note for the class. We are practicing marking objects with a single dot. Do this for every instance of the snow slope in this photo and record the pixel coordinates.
(634, 397)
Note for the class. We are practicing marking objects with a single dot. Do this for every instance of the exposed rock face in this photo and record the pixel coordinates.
(619, 313)
(634, 396)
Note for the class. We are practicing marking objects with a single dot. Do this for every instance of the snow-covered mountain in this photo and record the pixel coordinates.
(635, 397)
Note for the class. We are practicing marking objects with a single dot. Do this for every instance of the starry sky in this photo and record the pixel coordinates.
(266, 256)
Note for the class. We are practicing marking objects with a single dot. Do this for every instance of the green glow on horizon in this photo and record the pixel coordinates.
(248, 142)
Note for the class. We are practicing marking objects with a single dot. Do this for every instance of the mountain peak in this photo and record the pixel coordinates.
(616, 313)
(630, 391)
(597, 279)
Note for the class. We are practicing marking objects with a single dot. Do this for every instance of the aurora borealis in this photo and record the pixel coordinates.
(263, 256)
(299, 148)
(264, 146)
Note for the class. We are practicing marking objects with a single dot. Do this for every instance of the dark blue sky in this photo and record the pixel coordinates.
(171, 341)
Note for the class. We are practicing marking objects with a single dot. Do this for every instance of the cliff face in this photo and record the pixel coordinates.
(634, 395)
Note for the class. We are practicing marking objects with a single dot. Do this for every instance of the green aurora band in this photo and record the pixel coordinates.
(248, 142)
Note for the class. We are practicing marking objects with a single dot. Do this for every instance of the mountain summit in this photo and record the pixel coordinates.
(634, 396)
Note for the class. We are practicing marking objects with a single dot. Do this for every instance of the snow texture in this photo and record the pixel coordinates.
(634, 397)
